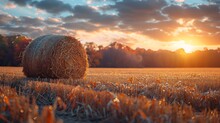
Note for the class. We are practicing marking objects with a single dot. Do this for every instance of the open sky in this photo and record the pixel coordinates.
(150, 24)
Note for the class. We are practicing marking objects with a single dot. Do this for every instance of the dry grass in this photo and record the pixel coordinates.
(17, 108)
(115, 96)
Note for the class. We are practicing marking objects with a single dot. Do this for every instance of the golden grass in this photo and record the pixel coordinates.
(17, 108)
(159, 99)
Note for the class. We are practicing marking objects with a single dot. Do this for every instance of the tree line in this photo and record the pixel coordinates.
(117, 55)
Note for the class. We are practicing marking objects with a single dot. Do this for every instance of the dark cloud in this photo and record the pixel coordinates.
(185, 11)
(69, 19)
(28, 21)
(106, 20)
(192, 12)
(211, 11)
(6, 19)
(52, 6)
(87, 12)
(19, 29)
(214, 1)
(21, 2)
(139, 16)
(133, 11)
(86, 26)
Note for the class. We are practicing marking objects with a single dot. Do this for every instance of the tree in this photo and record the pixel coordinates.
(12, 48)
(94, 56)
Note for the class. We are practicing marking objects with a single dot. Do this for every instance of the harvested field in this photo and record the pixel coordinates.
(159, 95)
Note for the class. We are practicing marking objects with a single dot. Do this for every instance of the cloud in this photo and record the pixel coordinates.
(20, 29)
(105, 36)
(208, 26)
(10, 6)
(179, 0)
(55, 30)
(21, 2)
(184, 11)
(214, 1)
(139, 16)
(34, 32)
(162, 23)
(53, 21)
(133, 11)
(204, 19)
(28, 21)
(212, 11)
(89, 13)
(85, 12)
(192, 12)
(52, 6)
(5, 19)
(69, 19)
(32, 27)
(159, 34)
(86, 26)
(157, 19)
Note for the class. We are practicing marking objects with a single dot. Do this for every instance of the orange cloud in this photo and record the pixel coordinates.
(10, 6)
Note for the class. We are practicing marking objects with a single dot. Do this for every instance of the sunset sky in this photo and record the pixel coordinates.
(150, 24)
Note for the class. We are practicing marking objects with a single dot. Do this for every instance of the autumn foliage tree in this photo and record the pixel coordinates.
(11, 48)
(93, 52)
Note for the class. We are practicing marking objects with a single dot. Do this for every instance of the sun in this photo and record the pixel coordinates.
(188, 48)
(182, 44)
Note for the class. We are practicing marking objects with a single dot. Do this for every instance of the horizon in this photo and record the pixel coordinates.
(203, 49)
(150, 24)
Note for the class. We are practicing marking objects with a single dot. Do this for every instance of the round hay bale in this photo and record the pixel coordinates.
(55, 56)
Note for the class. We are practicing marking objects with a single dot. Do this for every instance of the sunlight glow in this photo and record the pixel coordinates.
(180, 21)
(182, 44)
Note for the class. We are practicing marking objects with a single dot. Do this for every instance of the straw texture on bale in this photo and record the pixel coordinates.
(55, 56)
